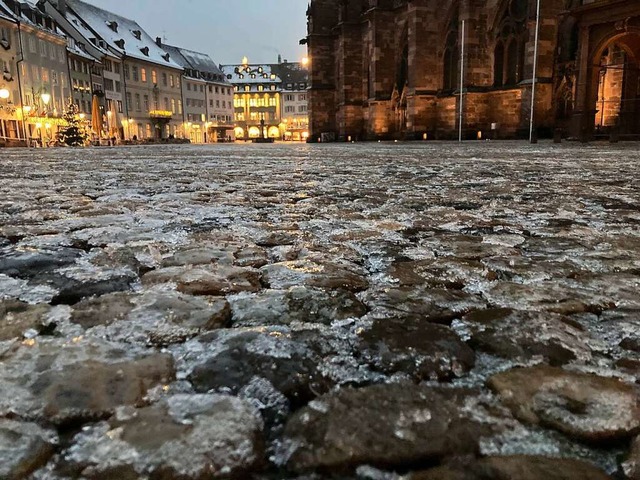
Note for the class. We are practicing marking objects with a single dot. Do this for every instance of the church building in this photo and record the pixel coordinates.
(415, 69)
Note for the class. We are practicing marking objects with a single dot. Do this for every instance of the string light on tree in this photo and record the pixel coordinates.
(73, 134)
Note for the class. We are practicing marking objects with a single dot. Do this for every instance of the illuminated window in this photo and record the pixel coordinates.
(154, 77)
(143, 74)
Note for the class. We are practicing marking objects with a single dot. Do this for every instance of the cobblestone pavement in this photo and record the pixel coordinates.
(369, 311)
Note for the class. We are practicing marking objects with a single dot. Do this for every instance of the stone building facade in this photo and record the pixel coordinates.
(207, 95)
(294, 103)
(257, 100)
(396, 68)
(10, 127)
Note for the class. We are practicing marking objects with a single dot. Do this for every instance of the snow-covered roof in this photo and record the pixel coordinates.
(121, 34)
(251, 74)
(25, 12)
(198, 63)
(84, 30)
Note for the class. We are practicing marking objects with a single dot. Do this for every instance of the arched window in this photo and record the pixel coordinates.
(451, 57)
(511, 76)
(498, 68)
(511, 42)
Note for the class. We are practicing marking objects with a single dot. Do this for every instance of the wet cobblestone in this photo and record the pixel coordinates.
(395, 281)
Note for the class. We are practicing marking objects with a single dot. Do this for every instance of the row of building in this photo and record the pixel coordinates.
(128, 85)
(433, 68)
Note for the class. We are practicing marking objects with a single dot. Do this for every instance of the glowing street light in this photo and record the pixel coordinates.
(46, 98)
(305, 61)
(4, 94)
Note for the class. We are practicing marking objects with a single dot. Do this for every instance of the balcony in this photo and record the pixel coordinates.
(165, 115)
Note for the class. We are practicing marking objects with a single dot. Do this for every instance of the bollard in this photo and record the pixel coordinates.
(557, 135)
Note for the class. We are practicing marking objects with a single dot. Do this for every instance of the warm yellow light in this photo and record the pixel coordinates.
(82, 116)
(27, 108)
(124, 122)
(245, 61)
(4, 93)
(109, 113)
(47, 126)
(305, 61)
(46, 98)
(38, 126)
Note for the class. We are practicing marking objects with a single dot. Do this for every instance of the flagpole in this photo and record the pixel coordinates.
(461, 83)
(535, 75)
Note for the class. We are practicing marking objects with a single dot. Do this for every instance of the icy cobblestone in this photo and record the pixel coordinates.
(364, 289)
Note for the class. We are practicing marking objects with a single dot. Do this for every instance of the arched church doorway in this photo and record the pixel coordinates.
(617, 78)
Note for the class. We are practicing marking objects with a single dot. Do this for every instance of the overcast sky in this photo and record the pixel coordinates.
(225, 29)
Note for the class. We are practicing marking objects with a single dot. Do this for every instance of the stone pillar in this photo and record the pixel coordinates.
(321, 42)
(424, 68)
(583, 118)
(350, 95)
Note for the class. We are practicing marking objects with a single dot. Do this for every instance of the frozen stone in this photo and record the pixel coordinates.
(584, 406)
(430, 305)
(518, 467)
(416, 347)
(297, 304)
(201, 280)
(240, 356)
(24, 447)
(384, 425)
(309, 273)
(16, 318)
(631, 465)
(182, 436)
(518, 334)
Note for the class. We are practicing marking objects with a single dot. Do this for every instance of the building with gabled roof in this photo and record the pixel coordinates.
(257, 100)
(150, 80)
(41, 69)
(207, 96)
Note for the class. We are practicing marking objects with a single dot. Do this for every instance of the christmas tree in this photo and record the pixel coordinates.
(73, 133)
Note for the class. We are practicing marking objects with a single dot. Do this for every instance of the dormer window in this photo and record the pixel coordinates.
(113, 26)
(145, 51)
(120, 43)
(166, 57)
(137, 34)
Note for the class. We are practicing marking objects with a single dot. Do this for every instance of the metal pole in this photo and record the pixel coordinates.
(461, 82)
(535, 74)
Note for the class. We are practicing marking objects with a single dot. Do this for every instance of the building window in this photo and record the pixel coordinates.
(273, 102)
(173, 105)
(451, 58)
(179, 107)
(171, 80)
(134, 74)
(138, 105)
(129, 102)
(166, 104)
(43, 48)
(188, 86)
(32, 45)
(119, 103)
(146, 103)
(118, 87)
(143, 75)
(108, 66)
(510, 49)
(126, 72)
(302, 97)
(116, 68)
(302, 108)
(154, 77)
(108, 84)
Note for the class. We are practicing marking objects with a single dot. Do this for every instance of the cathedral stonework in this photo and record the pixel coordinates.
(413, 69)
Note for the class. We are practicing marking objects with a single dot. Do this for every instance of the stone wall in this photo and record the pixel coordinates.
(366, 59)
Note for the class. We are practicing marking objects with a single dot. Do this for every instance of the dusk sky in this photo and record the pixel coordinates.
(226, 30)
